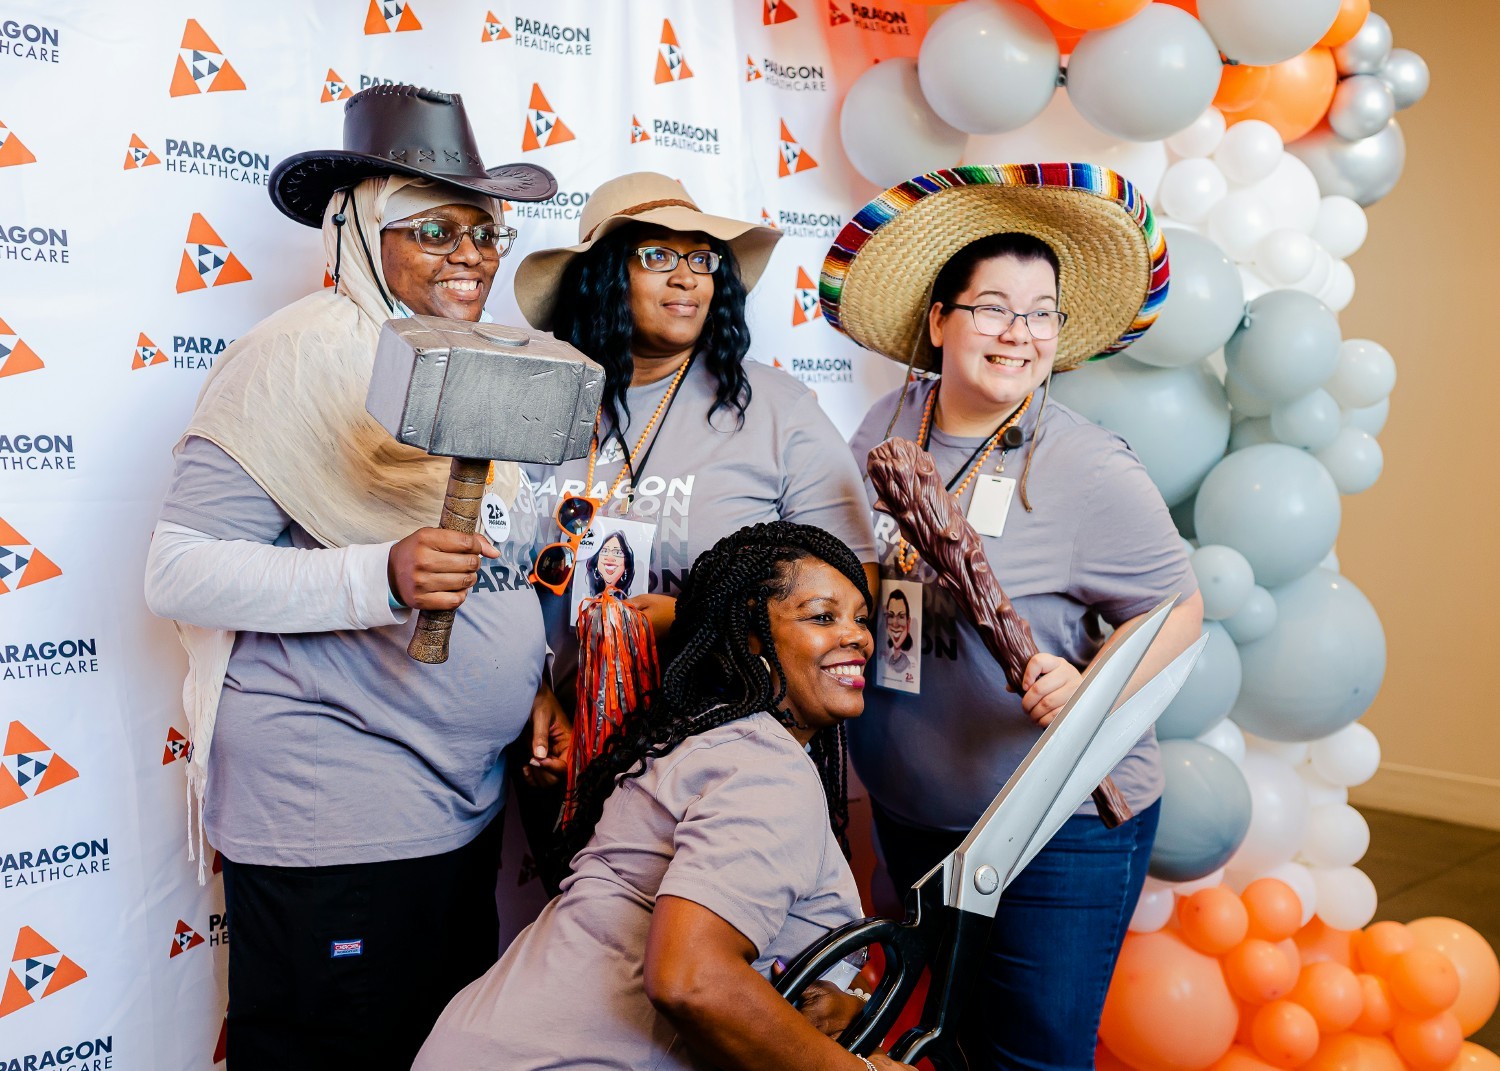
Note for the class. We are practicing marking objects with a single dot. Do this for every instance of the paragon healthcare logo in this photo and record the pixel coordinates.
(21, 564)
(794, 158)
(805, 307)
(810, 224)
(146, 354)
(494, 29)
(390, 16)
(183, 939)
(48, 658)
(201, 67)
(335, 88)
(139, 154)
(27, 40)
(836, 16)
(565, 204)
(177, 747)
(822, 370)
(54, 863)
(42, 452)
(767, 221)
(218, 161)
(637, 131)
(773, 12)
(14, 152)
(543, 127)
(15, 356)
(89, 1054)
(206, 260)
(676, 134)
(30, 767)
(752, 70)
(35, 245)
(554, 38)
(671, 64)
(873, 17)
(798, 77)
(37, 970)
(195, 353)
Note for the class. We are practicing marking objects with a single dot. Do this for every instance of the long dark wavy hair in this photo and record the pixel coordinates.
(593, 314)
(713, 677)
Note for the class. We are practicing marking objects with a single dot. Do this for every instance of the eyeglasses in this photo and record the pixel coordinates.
(440, 236)
(660, 258)
(555, 562)
(1044, 324)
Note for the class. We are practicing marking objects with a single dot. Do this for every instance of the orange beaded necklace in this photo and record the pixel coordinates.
(645, 436)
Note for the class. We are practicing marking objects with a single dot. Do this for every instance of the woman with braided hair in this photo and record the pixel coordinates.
(704, 839)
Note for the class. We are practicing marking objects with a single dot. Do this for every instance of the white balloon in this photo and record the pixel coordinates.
(987, 66)
(1224, 580)
(1337, 835)
(1249, 151)
(1301, 880)
(1346, 897)
(1311, 422)
(1348, 757)
(1338, 291)
(1290, 193)
(1365, 374)
(1278, 813)
(1316, 279)
(1256, 618)
(1354, 460)
(889, 131)
(1200, 137)
(1371, 419)
(1253, 283)
(1320, 792)
(1227, 738)
(1267, 31)
(1239, 221)
(1341, 226)
(1153, 910)
(1190, 189)
(1293, 753)
(1285, 256)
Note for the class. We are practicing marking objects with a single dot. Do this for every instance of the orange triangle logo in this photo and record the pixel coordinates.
(195, 38)
(794, 157)
(176, 747)
(335, 88)
(835, 16)
(543, 127)
(63, 975)
(206, 261)
(15, 356)
(385, 16)
(637, 131)
(21, 564)
(767, 221)
(15, 996)
(59, 772)
(12, 151)
(671, 64)
(139, 154)
(805, 306)
(18, 738)
(146, 354)
(201, 67)
(752, 69)
(494, 29)
(773, 12)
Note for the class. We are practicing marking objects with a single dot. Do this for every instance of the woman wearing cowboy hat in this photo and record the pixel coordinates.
(693, 441)
(350, 790)
(993, 278)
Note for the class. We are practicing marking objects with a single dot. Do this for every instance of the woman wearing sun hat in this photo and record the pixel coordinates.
(991, 279)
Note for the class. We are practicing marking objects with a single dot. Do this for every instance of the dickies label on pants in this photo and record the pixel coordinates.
(340, 949)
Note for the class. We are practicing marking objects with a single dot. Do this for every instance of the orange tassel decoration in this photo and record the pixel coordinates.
(617, 670)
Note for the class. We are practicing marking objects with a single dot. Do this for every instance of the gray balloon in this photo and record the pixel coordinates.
(1407, 75)
(1320, 666)
(1208, 693)
(1367, 51)
(1362, 105)
(1175, 419)
(1203, 306)
(1289, 346)
(1205, 812)
(1146, 78)
(1364, 170)
(1274, 504)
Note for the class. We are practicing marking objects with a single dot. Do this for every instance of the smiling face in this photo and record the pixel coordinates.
(669, 308)
(610, 560)
(897, 619)
(821, 631)
(456, 285)
(993, 374)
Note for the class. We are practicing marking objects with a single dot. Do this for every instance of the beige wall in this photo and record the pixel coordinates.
(1423, 542)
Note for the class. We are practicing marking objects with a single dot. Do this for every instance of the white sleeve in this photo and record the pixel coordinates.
(241, 585)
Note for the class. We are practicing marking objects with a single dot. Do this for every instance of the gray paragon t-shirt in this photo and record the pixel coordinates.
(735, 820)
(703, 480)
(336, 747)
(1099, 543)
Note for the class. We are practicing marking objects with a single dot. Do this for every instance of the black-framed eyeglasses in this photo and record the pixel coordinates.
(661, 259)
(441, 237)
(994, 320)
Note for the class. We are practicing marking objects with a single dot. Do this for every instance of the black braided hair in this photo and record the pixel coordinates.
(712, 677)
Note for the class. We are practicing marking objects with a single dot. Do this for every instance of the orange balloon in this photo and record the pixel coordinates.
(1474, 959)
(1190, 6)
(1257, 971)
(1239, 1058)
(1213, 920)
(1240, 86)
(1320, 943)
(1297, 94)
(1428, 1044)
(1332, 993)
(1346, 23)
(1423, 981)
(1376, 945)
(1353, 1052)
(1092, 14)
(1066, 36)
(1104, 1060)
(1377, 1012)
(1168, 1008)
(1274, 907)
(1474, 1057)
(1285, 1034)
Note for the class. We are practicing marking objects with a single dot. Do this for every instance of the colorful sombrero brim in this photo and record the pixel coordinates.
(877, 278)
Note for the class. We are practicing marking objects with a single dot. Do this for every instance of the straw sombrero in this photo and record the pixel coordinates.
(877, 278)
(640, 197)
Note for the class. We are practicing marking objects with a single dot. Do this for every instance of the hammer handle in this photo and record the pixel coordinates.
(466, 483)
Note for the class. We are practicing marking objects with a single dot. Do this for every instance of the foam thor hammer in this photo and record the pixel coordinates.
(478, 393)
(906, 478)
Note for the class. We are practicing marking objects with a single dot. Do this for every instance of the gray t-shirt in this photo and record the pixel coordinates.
(704, 479)
(735, 820)
(1098, 544)
(335, 747)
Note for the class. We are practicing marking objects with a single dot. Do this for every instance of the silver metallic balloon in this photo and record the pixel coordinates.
(1364, 170)
(1407, 76)
(1367, 50)
(1361, 106)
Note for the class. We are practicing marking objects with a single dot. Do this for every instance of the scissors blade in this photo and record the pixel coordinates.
(976, 869)
(1113, 742)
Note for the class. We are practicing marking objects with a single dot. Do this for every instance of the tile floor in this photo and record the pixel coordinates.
(1421, 866)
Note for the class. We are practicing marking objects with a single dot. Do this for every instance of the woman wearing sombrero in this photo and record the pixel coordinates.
(992, 279)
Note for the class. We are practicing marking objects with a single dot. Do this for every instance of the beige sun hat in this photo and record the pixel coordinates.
(640, 197)
(877, 279)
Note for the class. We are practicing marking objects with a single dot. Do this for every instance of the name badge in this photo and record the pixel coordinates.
(494, 518)
(991, 504)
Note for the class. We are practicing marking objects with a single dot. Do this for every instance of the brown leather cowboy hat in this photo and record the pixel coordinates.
(404, 130)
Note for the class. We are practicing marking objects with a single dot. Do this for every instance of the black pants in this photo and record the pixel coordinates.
(299, 996)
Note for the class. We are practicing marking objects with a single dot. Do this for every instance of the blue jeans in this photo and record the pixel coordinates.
(1055, 941)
